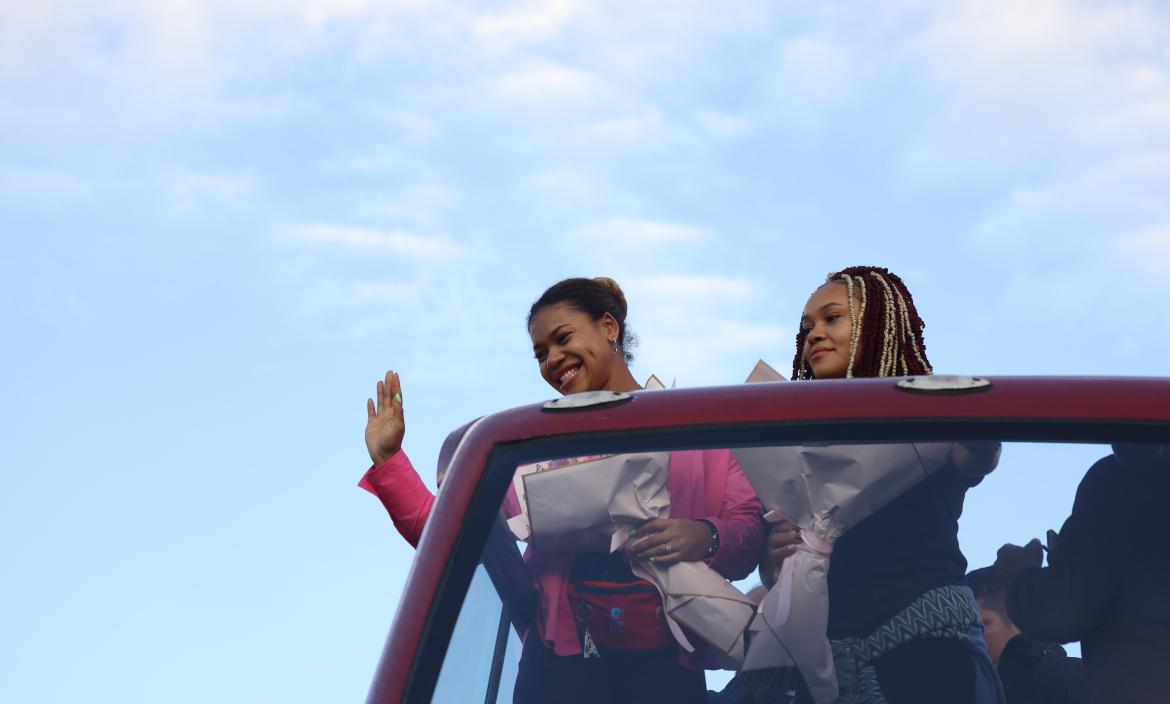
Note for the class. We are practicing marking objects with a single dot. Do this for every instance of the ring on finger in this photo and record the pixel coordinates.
(669, 549)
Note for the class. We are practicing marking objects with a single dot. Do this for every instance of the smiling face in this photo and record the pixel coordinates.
(826, 318)
(575, 353)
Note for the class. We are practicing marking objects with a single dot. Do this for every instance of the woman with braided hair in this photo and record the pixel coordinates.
(903, 625)
(870, 326)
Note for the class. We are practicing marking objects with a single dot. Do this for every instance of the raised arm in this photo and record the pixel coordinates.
(402, 492)
(392, 478)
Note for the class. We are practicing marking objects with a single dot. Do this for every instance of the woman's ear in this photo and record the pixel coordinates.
(610, 327)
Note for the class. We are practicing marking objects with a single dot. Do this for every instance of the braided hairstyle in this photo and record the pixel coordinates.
(594, 297)
(885, 325)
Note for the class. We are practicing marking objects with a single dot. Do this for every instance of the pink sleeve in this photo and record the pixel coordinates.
(402, 492)
(740, 526)
(511, 502)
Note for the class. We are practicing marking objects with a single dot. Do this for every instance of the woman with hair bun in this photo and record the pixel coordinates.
(581, 343)
(903, 624)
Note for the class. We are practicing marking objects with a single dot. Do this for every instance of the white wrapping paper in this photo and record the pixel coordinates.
(591, 504)
(825, 490)
(699, 598)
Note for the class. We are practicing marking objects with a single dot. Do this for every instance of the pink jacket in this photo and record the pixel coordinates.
(704, 484)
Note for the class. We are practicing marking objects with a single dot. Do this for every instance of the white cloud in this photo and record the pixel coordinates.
(382, 157)
(568, 182)
(411, 127)
(724, 125)
(634, 233)
(538, 87)
(1041, 85)
(418, 205)
(41, 185)
(811, 76)
(362, 239)
(526, 24)
(643, 128)
(696, 327)
(687, 290)
(216, 185)
(1146, 253)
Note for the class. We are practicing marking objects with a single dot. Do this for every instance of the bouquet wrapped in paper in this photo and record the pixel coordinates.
(592, 503)
(825, 490)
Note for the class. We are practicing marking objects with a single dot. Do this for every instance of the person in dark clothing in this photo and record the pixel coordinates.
(903, 626)
(1107, 582)
(1031, 672)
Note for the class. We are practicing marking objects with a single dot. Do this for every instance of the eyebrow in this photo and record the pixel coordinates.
(827, 305)
(552, 334)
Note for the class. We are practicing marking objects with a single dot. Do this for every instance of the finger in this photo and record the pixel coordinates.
(783, 536)
(647, 529)
(664, 553)
(651, 546)
(380, 394)
(396, 392)
(666, 560)
(781, 554)
(386, 384)
(651, 526)
(369, 408)
(785, 531)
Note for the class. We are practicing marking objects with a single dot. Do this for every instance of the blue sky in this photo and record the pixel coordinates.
(222, 221)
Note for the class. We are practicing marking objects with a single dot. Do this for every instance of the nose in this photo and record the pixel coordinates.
(815, 334)
(553, 359)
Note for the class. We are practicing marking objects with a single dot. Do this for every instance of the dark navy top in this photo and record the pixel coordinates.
(911, 546)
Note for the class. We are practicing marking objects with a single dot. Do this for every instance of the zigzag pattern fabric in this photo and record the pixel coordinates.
(946, 612)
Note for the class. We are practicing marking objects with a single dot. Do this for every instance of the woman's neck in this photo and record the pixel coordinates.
(622, 380)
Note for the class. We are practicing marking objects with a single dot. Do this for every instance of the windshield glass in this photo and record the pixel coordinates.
(671, 575)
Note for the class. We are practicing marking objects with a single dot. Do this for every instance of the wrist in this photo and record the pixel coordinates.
(713, 532)
(380, 459)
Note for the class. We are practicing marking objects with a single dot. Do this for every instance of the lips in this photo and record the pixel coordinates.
(818, 353)
(568, 375)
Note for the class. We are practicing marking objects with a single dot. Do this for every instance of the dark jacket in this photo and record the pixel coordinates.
(1037, 673)
(1108, 581)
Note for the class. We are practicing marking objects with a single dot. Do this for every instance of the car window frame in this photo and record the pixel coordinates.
(503, 458)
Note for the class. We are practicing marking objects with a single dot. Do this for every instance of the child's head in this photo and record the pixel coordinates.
(991, 596)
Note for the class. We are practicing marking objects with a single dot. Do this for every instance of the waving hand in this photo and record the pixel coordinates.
(385, 423)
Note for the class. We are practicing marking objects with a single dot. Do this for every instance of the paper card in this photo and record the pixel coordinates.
(763, 372)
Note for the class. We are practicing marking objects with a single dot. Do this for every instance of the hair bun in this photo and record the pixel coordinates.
(616, 291)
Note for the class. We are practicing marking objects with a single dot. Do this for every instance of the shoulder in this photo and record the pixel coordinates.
(1100, 483)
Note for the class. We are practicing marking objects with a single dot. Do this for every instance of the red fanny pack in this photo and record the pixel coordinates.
(619, 615)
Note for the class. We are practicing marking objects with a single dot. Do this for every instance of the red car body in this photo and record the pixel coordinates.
(1032, 409)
